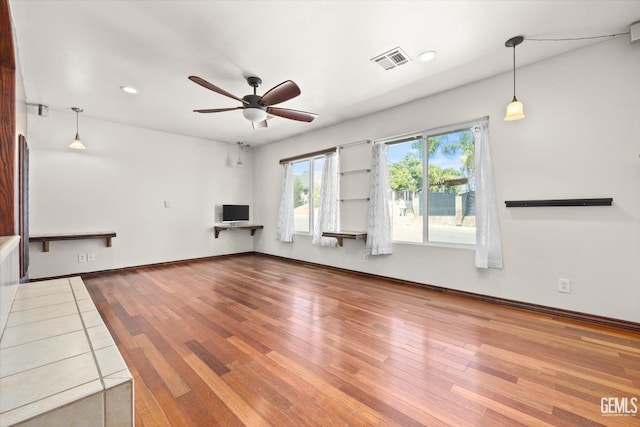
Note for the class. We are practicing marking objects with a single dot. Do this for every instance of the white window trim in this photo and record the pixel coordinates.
(425, 134)
(312, 208)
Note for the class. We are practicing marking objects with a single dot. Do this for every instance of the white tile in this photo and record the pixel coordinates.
(51, 411)
(117, 378)
(41, 313)
(118, 410)
(110, 361)
(47, 287)
(100, 337)
(79, 289)
(41, 301)
(30, 386)
(29, 332)
(31, 355)
(86, 305)
(91, 318)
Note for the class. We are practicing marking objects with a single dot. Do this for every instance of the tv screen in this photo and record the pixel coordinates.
(235, 213)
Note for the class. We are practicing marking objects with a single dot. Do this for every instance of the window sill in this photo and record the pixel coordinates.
(438, 245)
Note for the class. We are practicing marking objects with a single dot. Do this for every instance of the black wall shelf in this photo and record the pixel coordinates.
(558, 202)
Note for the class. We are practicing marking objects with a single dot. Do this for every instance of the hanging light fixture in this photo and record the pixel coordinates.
(239, 164)
(77, 144)
(515, 110)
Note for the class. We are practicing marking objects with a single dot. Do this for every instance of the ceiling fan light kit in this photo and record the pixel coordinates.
(515, 110)
(256, 108)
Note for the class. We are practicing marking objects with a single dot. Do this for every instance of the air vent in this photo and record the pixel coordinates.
(392, 59)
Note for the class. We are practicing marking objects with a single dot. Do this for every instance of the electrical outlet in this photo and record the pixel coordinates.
(91, 257)
(564, 286)
(82, 257)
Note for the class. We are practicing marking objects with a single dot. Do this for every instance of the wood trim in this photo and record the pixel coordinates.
(137, 267)
(307, 155)
(7, 52)
(23, 203)
(552, 311)
(8, 183)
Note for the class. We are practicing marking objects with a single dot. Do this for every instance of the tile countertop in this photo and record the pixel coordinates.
(7, 244)
(55, 351)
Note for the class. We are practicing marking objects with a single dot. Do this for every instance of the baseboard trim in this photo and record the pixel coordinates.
(552, 311)
(142, 266)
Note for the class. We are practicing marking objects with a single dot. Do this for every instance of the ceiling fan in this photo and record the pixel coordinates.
(255, 108)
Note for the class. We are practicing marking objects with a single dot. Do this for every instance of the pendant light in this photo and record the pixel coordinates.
(239, 164)
(515, 110)
(77, 144)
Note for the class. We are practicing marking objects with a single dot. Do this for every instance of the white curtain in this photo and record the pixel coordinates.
(379, 222)
(284, 229)
(329, 209)
(488, 241)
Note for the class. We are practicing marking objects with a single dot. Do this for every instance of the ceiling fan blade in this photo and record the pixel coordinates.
(257, 125)
(216, 110)
(283, 92)
(301, 116)
(202, 82)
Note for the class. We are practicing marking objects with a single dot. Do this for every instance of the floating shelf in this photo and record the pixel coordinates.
(46, 238)
(558, 202)
(218, 228)
(340, 235)
(355, 171)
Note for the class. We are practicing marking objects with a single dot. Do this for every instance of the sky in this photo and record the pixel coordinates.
(397, 152)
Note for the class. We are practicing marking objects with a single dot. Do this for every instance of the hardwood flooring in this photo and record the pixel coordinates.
(254, 340)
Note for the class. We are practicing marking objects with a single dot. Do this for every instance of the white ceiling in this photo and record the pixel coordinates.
(79, 53)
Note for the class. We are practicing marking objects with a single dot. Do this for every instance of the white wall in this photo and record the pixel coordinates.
(120, 183)
(580, 139)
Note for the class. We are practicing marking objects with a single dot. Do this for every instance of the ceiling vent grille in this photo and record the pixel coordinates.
(392, 59)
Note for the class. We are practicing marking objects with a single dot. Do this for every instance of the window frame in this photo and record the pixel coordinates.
(312, 217)
(425, 135)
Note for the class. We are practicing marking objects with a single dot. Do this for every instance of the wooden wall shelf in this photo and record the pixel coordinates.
(558, 202)
(340, 235)
(218, 228)
(46, 238)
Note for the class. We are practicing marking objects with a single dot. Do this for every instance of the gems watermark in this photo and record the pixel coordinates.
(619, 406)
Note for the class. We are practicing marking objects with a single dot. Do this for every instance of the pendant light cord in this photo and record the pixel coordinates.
(577, 38)
(514, 73)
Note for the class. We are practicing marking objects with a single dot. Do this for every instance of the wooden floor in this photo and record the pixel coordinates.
(254, 340)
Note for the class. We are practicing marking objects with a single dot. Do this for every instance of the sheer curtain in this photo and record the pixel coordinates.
(284, 228)
(329, 209)
(379, 222)
(488, 241)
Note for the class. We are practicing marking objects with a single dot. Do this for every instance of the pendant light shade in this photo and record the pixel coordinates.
(77, 144)
(515, 110)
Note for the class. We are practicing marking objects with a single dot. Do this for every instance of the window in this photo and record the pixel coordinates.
(307, 178)
(433, 200)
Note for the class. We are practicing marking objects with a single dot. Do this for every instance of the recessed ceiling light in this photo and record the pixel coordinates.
(427, 55)
(129, 89)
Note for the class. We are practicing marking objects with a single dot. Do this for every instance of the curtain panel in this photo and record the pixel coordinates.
(379, 220)
(488, 239)
(284, 227)
(329, 207)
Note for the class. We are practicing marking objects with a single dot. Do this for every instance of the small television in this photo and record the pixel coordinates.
(235, 213)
